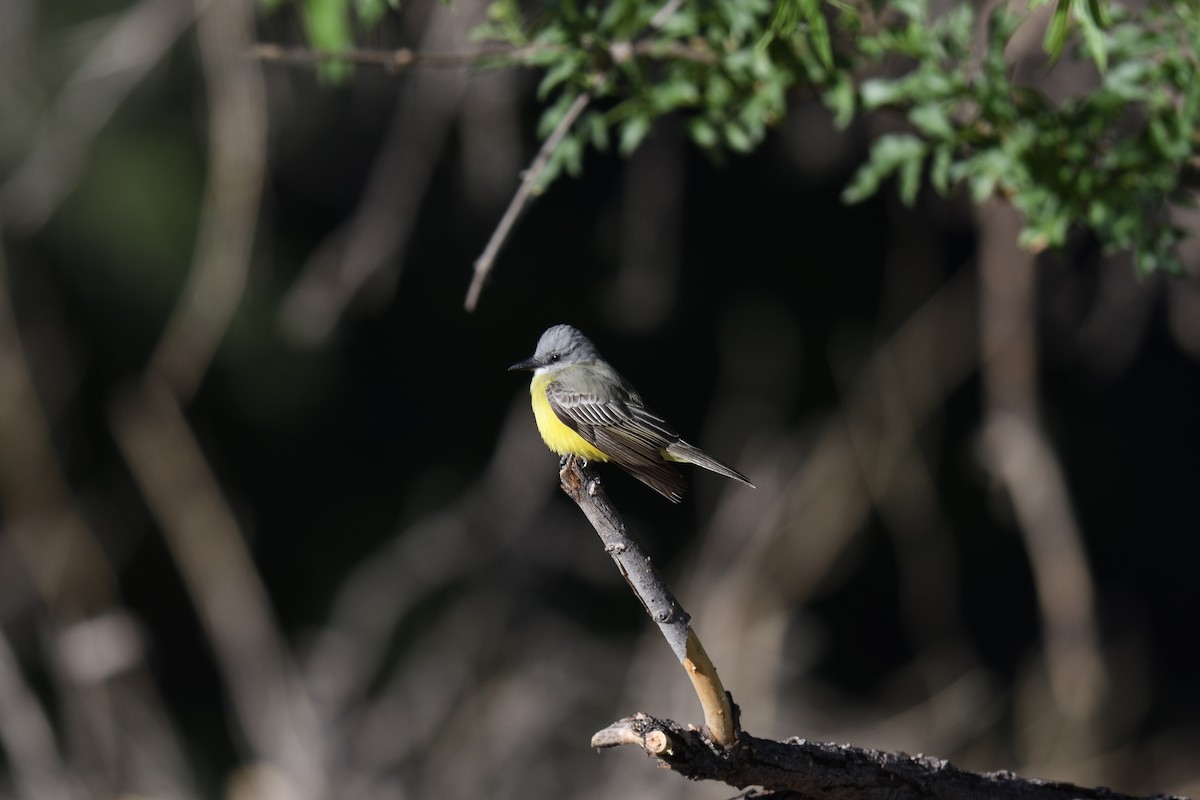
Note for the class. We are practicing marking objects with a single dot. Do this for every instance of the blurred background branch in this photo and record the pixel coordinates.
(274, 522)
(131, 44)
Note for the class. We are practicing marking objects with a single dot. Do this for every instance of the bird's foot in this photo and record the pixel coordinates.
(580, 460)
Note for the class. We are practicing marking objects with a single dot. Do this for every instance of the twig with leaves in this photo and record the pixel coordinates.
(483, 265)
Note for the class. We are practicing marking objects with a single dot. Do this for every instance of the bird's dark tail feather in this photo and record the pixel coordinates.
(689, 454)
(666, 481)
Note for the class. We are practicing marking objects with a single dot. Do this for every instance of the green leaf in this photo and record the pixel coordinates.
(892, 152)
(371, 11)
(633, 131)
(1093, 36)
(939, 168)
(597, 130)
(839, 98)
(878, 92)
(818, 32)
(1056, 31)
(909, 179)
(913, 9)
(932, 120)
(1126, 82)
(570, 154)
(737, 138)
(1099, 12)
(504, 23)
(786, 16)
(562, 71)
(667, 97)
(327, 23)
(554, 114)
(703, 132)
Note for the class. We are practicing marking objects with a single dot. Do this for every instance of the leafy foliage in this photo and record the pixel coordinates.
(1112, 159)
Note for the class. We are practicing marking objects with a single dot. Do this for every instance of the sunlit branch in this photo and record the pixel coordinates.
(581, 485)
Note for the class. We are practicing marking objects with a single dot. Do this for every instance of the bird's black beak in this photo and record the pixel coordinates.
(529, 363)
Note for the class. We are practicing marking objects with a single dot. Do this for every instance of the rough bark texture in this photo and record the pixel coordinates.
(825, 771)
(790, 769)
(582, 486)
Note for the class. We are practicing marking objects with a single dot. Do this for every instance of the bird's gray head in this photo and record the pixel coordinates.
(559, 347)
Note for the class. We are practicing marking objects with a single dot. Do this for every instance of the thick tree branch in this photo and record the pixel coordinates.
(825, 771)
(792, 768)
(581, 485)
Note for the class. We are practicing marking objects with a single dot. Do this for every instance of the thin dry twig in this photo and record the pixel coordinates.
(581, 485)
(406, 58)
(402, 58)
(483, 264)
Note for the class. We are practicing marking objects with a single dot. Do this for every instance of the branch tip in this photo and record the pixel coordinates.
(621, 732)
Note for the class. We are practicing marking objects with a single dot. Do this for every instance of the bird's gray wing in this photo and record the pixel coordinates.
(607, 415)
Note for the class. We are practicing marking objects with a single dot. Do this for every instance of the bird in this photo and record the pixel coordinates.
(584, 407)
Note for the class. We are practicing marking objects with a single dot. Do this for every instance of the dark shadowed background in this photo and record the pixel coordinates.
(275, 521)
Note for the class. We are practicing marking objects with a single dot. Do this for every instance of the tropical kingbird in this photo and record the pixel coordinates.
(584, 407)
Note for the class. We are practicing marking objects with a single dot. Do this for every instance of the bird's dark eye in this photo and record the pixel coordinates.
(555, 357)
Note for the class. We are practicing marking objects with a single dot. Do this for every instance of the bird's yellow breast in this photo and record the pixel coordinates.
(557, 436)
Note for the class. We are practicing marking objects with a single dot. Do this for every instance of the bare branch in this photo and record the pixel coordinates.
(400, 59)
(237, 159)
(209, 547)
(406, 58)
(65, 562)
(483, 265)
(825, 771)
(581, 485)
